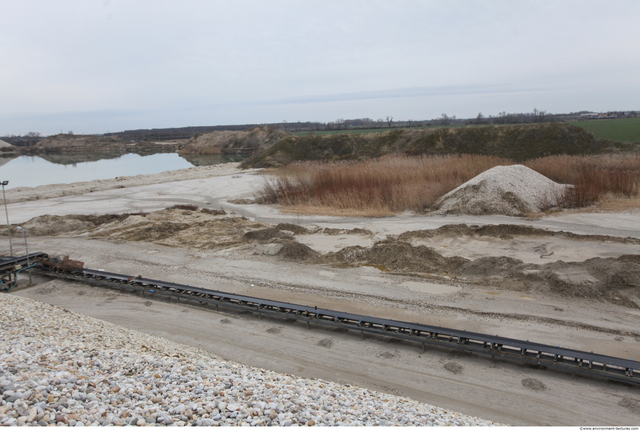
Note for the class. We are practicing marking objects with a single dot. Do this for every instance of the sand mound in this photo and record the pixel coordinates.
(397, 256)
(508, 190)
(233, 142)
(4, 144)
(90, 142)
(294, 251)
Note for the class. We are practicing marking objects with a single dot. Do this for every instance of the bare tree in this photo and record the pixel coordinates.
(32, 138)
(538, 116)
(389, 120)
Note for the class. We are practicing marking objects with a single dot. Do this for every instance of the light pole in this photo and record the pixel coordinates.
(4, 183)
(26, 250)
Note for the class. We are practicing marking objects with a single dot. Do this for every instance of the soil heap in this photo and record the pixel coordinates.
(233, 142)
(518, 142)
(508, 190)
(79, 142)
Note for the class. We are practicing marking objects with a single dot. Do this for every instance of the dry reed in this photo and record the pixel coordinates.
(593, 177)
(388, 184)
(397, 183)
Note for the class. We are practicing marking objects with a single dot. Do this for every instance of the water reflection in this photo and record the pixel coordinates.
(33, 171)
(210, 159)
(5, 160)
(74, 159)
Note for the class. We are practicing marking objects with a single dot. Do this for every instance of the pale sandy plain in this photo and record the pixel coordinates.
(490, 390)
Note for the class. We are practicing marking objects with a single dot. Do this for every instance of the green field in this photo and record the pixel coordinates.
(620, 129)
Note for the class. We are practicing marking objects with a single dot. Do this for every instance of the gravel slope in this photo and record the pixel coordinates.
(60, 367)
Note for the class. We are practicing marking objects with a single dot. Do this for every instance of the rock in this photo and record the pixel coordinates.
(192, 389)
(32, 414)
(271, 249)
(21, 408)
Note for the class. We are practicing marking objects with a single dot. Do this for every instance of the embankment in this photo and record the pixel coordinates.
(519, 143)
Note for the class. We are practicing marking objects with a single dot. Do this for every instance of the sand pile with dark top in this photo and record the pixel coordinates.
(507, 190)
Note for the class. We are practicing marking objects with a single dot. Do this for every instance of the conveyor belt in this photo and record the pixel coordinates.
(12, 263)
(495, 346)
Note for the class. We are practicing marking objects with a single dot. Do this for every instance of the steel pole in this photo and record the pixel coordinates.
(26, 249)
(6, 212)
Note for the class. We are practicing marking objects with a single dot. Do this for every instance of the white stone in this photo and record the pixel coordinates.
(271, 249)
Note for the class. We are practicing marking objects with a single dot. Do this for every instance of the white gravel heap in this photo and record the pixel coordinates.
(61, 368)
(507, 190)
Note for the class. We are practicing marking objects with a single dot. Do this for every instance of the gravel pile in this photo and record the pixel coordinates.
(507, 190)
(59, 367)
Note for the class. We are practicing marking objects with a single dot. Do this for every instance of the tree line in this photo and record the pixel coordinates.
(341, 124)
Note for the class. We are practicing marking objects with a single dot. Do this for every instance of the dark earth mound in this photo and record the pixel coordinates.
(519, 143)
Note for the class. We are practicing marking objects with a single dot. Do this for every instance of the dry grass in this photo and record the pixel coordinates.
(392, 184)
(375, 187)
(593, 177)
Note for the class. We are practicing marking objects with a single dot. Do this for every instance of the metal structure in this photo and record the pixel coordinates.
(26, 250)
(6, 212)
(555, 357)
(11, 266)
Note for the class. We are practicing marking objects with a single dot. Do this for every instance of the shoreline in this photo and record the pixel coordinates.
(24, 194)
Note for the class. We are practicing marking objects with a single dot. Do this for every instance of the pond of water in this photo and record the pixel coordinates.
(33, 171)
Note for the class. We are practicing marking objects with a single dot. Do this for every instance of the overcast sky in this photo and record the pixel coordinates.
(94, 66)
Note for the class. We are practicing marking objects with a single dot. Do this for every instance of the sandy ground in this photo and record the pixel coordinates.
(214, 186)
(491, 390)
(21, 194)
